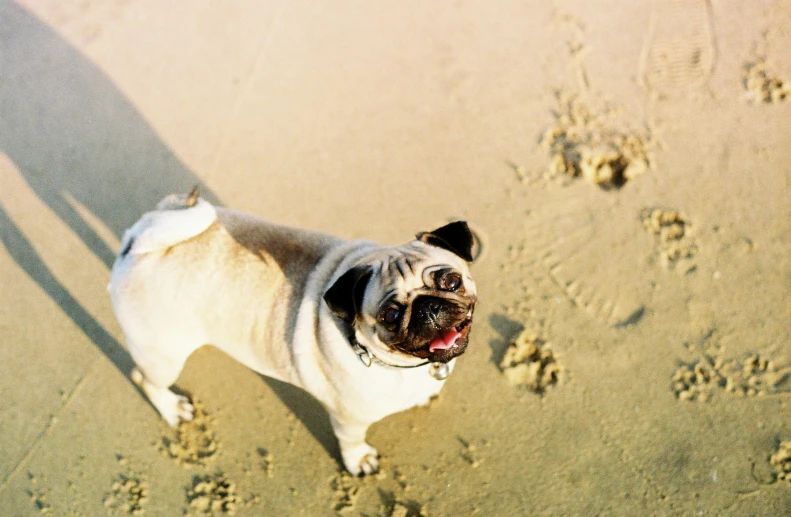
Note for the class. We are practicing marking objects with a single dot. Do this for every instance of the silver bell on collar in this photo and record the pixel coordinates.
(439, 371)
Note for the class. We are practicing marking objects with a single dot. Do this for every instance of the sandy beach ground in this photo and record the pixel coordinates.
(626, 166)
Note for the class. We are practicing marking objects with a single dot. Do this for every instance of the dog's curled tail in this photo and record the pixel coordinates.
(177, 218)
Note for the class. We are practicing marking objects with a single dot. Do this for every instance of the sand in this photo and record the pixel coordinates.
(626, 168)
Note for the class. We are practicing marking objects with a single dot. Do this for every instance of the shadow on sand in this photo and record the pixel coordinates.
(70, 132)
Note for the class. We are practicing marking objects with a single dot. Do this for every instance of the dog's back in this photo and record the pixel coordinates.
(187, 269)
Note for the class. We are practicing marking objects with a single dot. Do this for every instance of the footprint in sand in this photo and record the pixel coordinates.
(680, 50)
(585, 256)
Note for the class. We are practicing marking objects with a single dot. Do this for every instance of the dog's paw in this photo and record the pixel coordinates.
(173, 408)
(362, 460)
(184, 411)
(369, 464)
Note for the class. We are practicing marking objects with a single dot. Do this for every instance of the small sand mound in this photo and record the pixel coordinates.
(128, 495)
(529, 362)
(755, 376)
(267, 462)
(39, 500)
(346, 492)
(673, 232)
(582, 145)
(213, 495)
(762, 86)
(693, 382)
(781, 461)
(399, 510)
(403, 510)
(191, 443)
(470, 453)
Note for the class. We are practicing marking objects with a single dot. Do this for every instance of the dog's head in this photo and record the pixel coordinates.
(416, 299)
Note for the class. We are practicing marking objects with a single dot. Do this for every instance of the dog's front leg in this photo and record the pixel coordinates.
(358, 457)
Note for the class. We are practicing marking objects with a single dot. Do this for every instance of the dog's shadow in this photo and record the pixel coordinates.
(74, 137)
(76, 140)
(310, 412)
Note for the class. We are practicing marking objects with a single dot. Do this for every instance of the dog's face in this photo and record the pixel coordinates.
(417, 299)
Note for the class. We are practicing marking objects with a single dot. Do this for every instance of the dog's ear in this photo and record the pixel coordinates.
(455, 237)
(345, 297)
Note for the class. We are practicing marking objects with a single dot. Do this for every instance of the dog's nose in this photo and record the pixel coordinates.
(430, 307)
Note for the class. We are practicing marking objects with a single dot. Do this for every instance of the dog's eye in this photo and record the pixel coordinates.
(391, 315)
(450, 281)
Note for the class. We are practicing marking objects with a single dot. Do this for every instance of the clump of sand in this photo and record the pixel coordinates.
(763, 86)
(529, 362)
(39, 500)
(673, 232)
(191, 443)
(399, 510)
(346, 492)
(754, 376)
(582, 144)
(402, 510)
(692, 382)
(267, 462)
(470, 453)
(781, 461)
(128, 494)
(213, 494)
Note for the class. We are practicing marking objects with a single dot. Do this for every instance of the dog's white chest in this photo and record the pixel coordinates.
(381, 391)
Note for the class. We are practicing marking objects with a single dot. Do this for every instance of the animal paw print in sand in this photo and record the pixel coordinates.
(529, 362)
(582, 145)
(673, 233)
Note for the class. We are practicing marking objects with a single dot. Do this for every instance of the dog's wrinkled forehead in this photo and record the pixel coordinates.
(408, 268)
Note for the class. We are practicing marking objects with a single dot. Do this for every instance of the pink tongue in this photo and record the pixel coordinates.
(444, 341)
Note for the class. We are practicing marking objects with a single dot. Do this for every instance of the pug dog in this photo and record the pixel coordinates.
(368, 330)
